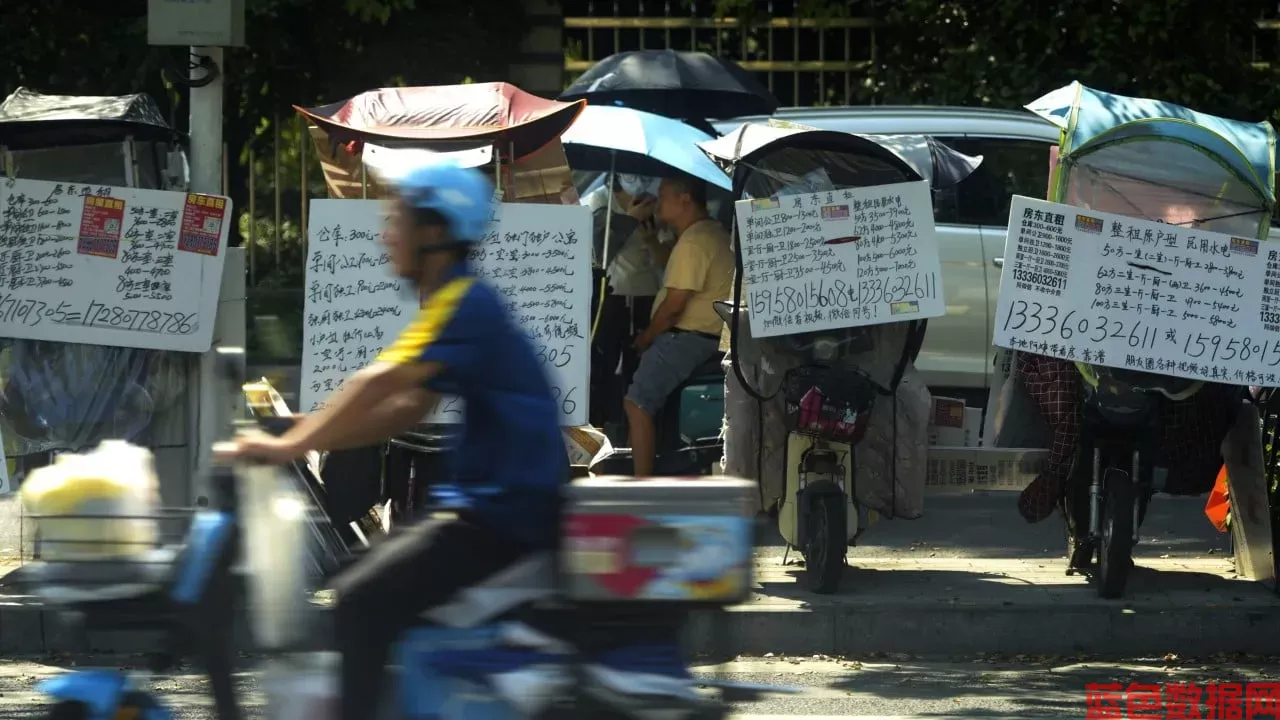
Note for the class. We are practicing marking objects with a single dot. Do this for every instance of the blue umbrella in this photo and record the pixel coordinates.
(617, 139)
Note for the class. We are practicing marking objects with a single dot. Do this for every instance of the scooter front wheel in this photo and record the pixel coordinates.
(1116, 545)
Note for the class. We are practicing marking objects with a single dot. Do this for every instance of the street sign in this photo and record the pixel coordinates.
(211, 23)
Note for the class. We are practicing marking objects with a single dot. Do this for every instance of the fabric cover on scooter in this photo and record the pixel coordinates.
(1191, 433)
(890, 485)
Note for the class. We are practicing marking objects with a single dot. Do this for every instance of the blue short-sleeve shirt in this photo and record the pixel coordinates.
(511, 463)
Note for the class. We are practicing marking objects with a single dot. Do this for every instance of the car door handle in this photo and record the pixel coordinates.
(998, 262)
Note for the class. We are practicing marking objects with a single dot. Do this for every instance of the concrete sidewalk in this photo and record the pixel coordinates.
(970, 577)
(950, 606)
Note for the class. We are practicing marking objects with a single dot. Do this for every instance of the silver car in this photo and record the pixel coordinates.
(957, 358)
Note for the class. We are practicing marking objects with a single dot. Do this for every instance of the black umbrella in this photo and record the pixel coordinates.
(673, 83)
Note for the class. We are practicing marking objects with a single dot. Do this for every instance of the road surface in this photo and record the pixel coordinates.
(900, 688)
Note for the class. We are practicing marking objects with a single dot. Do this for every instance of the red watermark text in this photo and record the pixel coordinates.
(1182, 701)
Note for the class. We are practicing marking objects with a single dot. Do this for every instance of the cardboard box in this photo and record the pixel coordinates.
(960, 469)
(972, 426)
(946, 422)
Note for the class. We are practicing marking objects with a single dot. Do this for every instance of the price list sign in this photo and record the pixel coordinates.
(840, 258)
(106, 266)
(1134, 294)
(536, 256)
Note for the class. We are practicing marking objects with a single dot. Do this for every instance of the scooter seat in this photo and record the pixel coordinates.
(531, 579)
(100, 581)
(710, 370)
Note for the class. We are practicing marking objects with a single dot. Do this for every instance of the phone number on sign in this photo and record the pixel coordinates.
(453, 405)
(839, 294)
(1035, 278)
(30, 313)
(1033, 318)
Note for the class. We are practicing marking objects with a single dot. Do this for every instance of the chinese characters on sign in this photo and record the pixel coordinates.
(1114, 291)
(104, 265)
(841, 258)
(537, 256)
(1183, 701)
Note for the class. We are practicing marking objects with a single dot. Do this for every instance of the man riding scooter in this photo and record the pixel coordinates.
(511, 462)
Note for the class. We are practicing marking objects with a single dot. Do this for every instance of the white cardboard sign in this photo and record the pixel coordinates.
(109, 265)
(537, 256)
(840, 258)
(1120, 292)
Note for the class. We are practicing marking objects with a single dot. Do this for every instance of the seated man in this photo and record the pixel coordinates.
(511, 464)
(684, 331)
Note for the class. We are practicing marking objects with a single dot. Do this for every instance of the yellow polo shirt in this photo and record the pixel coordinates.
(702, 262)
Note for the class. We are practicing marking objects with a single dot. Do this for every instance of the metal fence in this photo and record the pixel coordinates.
(803, 61)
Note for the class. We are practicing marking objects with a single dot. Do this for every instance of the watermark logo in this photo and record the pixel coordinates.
(835, 212)
(1241, 246)
(1089, 224)
(1210, 701)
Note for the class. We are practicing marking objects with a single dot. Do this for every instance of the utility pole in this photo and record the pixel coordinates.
(206, 28)
(210, 397)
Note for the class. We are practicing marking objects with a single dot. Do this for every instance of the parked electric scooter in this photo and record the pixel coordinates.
(1153, 160)
(829, 398)
(1119, 449)
(534, 641)
(828, 406)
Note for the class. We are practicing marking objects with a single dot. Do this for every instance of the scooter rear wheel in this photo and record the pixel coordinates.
(1116, 544)
(826, 543)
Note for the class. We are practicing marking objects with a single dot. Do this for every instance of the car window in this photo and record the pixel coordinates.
(1009, 167)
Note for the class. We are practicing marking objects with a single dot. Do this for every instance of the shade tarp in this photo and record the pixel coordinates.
(542, 177)
(1090, 118)
(861, 159)
(448, 118)
(29, 119)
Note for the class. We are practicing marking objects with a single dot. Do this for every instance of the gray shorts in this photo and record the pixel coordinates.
(668, 362)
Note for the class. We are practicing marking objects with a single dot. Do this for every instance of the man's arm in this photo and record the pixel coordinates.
(439, 337)
(392, 416)
(375, 403)
(667, 314)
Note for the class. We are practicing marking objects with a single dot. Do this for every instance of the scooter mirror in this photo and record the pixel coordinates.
(724, 309)
(231, 365)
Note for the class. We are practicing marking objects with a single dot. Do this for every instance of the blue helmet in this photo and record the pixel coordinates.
(463, 196)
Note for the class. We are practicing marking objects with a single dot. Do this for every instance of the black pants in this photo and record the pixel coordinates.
(384, 593)
(613, 341)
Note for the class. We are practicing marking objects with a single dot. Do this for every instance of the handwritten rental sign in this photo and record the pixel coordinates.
(840, 258)
(1119, 292)
(110, 265)
(537, 256)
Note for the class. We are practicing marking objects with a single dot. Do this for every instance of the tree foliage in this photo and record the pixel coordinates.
(1006, 52)
(298, 52)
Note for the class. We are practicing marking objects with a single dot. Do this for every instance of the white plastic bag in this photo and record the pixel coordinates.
(117, 482)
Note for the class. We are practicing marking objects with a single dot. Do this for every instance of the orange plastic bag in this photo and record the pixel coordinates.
(1218, 508)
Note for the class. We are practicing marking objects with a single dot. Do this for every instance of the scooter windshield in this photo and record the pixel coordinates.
(1188, 187)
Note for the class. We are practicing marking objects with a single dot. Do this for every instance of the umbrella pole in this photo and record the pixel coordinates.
(497, 175)
(608, 227)
(608, 216)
